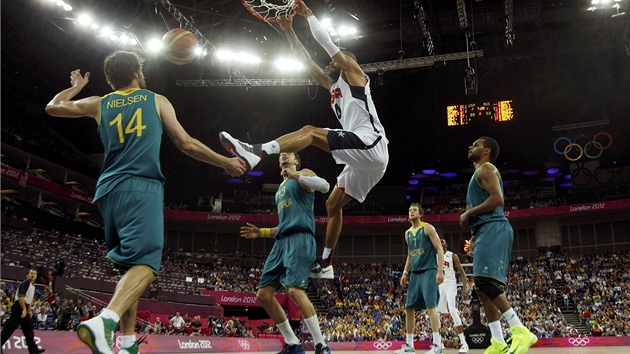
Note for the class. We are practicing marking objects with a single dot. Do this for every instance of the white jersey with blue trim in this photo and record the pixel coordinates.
(355, 109)
(449, 268)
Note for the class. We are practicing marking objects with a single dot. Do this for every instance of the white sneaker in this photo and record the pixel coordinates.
(322, 270)
(463, 348)
(435, 349)
(98, 334)
(243, 150)
(406, 348)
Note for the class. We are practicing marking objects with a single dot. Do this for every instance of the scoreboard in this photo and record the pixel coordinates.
(463, 114)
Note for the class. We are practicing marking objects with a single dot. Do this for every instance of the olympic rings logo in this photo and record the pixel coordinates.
(585, 150)
(382, 345)
(477, 339)
(579, 341)
(244, 344)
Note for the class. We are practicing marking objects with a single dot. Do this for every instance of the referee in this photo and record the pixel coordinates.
(22, 313)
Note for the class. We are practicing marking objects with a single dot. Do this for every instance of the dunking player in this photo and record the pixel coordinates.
(492, 246)
(130, 190)
(448, 293)
(423, 276)
(361, 143)
(293, 251)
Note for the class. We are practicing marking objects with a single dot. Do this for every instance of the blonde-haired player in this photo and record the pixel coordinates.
(448, 293)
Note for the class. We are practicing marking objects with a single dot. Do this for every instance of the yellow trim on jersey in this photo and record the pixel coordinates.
(422, 225)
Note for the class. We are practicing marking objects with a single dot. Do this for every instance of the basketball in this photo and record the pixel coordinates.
(179, 46)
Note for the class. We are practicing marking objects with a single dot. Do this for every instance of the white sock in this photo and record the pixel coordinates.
(511, 317)
(316, 332)
(327, 252)
(437, 339)
(110, 315)
(462, 338)
(128, 341)
(495, 329)
(271, 147)
(410, 339)
(287, 333)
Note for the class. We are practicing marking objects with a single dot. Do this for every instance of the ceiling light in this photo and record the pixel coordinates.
(84, 20)
(154, 45)
(106, 31)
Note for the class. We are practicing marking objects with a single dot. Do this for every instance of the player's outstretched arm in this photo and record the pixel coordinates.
(312, 69)
(462, 274)
(62, 104)
(253, 231)
(354, 73)
(191, 146)
(307, 179)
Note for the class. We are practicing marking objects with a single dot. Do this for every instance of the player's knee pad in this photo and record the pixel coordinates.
(488, 286)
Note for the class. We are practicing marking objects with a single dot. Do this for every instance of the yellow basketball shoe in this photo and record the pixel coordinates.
(522, 339)
(496, 347)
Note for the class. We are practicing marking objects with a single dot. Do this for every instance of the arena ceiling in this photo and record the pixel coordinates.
(566, 66)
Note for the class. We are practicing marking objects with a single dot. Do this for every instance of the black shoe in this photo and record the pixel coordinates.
(320, 349)
(40, 350)
(292, 349)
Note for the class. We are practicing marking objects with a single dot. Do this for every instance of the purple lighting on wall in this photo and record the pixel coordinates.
(531, 173)
(448, 174)
(429, 172)
(255, 173)
(552, 171)
(413, 182)
(235, 180)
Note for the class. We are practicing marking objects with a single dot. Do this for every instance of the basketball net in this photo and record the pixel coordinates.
(271, 10)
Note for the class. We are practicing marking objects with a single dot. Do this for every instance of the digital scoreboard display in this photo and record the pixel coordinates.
(467, 113)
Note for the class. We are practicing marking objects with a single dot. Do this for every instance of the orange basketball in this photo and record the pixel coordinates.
(179, 46)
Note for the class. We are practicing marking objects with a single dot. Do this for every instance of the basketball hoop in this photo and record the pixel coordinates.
(271, 10)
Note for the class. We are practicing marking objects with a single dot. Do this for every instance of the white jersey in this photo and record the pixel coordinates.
(449, 268)
(355, 110)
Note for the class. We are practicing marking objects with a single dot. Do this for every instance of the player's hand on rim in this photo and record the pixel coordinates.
(285, 23)
(301, 9)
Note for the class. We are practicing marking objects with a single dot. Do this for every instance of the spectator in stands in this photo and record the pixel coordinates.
(60, 268)
(41, 318)
(178, 322)
(196, 325)
(157, 326)
(170, 329)
(131, 179)
(187, 321)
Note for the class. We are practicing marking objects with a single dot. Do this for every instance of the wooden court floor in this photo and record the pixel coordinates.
(564, 350)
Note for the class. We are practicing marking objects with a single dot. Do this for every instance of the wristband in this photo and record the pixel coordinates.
(265, 232)
(405, 272)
